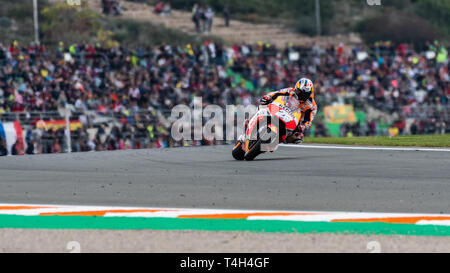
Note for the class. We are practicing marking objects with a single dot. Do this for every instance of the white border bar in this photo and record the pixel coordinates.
(415, 149)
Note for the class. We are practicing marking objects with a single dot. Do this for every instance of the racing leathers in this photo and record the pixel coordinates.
(308, 109)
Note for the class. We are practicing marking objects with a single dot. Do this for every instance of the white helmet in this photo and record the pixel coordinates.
(304, 89)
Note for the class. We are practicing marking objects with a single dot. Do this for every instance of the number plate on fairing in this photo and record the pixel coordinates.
(284, 116)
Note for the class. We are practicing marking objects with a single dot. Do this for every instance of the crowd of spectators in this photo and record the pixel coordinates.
(104, 137)
(395, 80)
(369, 128)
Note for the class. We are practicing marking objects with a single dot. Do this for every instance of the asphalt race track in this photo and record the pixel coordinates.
(208, 177)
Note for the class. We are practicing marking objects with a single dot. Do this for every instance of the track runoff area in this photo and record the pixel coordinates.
(299, 189)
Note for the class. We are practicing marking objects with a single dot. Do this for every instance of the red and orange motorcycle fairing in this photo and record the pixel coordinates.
(285, 109)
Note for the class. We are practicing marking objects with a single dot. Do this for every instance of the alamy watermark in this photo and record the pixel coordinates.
(73, 247)
(212, 122)
(374, 247)
(228, 123)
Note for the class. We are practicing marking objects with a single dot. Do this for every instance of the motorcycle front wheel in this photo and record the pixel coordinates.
(238, 153)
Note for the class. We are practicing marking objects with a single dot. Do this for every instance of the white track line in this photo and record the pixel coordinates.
(74, 207)
(366, 148)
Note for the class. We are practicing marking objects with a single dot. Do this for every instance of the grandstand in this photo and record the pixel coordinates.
(132, 88)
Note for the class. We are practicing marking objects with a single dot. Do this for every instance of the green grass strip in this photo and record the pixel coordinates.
(415, 141)
(93, 222)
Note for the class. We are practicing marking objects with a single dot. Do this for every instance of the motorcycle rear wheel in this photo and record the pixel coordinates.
(254, 151)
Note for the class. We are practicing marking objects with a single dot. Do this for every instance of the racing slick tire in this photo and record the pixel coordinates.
(238, 153)
(254, 151)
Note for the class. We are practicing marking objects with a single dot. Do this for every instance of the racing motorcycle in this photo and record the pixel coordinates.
(272, 124)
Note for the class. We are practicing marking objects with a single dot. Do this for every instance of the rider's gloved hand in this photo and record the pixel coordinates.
(266, 100)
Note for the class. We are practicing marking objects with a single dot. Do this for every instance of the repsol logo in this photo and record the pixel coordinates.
(287, 109)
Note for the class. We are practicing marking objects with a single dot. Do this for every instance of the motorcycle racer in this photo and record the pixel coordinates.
(304, 91)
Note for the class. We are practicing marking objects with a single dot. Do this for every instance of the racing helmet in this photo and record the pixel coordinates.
(304, 88)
